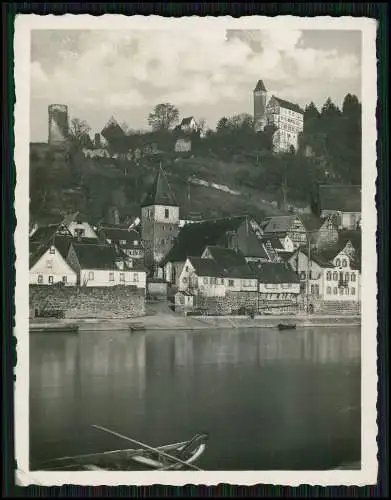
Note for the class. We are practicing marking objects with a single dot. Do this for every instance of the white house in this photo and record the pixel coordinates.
(331, 275)
(183, 145)
(49, 266)
(101, 265)
(343, 201)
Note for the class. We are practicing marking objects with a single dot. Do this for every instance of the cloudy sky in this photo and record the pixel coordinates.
(208, 74)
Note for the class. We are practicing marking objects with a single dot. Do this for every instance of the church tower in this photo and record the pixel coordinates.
(260, 98)
(159, 220)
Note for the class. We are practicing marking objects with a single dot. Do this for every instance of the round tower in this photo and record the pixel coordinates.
(260, 98)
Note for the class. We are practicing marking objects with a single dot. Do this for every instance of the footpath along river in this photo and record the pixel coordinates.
(269, 399)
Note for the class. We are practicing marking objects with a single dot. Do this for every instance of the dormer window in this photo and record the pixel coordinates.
(52, 250)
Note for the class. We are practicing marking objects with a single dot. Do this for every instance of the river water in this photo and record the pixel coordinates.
(268, 399)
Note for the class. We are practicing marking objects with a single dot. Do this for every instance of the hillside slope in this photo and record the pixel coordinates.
(61, 182)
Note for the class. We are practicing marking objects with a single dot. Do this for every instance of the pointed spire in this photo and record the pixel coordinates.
(160, 193)
(260, 87)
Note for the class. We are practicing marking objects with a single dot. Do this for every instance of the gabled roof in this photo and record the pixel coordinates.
(272, 272)
(207, 267)
(112, 130)
(275, 242)
(160, 193)
(231, 261)
(354, 237)
(278, 224)
(117, 233)
(260, 87)
(102, 257)
(311, 222)
(289, 105)
(342, 198)
(193, 238)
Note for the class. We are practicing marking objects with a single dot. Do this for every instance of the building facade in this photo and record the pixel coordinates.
(286, 117)
(50, 267)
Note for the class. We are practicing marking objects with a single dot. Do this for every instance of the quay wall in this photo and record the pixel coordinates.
(117, 302)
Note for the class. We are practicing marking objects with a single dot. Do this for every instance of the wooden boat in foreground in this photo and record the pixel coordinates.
(71, 328)
(282, 326)
(182, 455)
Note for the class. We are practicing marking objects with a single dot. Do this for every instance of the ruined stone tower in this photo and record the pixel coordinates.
(58, 124)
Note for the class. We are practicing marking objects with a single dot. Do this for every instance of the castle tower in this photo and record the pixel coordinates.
(58, 124)
(260, 98)
(159, 220)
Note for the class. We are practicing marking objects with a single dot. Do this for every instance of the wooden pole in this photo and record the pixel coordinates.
(143, 445)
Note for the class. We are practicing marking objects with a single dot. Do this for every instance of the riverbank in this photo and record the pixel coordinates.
(167, 321)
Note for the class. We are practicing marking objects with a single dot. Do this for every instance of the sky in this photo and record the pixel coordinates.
(205, 74)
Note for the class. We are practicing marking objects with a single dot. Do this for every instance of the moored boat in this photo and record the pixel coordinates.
(137, 327)
(173, 456)
(282, 326)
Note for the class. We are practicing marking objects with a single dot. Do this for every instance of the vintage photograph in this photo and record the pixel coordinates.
(195, 202)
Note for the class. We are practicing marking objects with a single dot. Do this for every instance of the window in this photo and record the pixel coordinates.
(302, 275)
(335, 290)
(213, 281)
(222, 281)
(335, 276)
(344, 263)
(186, 268)
(231, 283)
(122, 277)
(346, 277)
(40, 278)
(341, 291)
(166, 213)
(347, 291)
(353, 291)
(64, 280)
(111, 277)
(353, 277)
(328, 290)
(135, 242)
(338, 262)
(52, 250)
(328, 276)
(91, 275)
(205, 281)
(123, 242)
(312, 289)
(50, 280)
(135, 277)
(49, 264)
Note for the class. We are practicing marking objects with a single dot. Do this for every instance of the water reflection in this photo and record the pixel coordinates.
(269, 399)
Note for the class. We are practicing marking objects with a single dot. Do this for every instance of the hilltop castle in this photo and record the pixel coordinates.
(285, 116)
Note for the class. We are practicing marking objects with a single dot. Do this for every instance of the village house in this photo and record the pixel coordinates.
(278, 287)
(101, 265)
(322, 231)
(328, 275)
(285, 116)
(48, 266)
(185, 133)
(235, 233)
(342, 201)
(74, 225)
(288, 229)
(219, 271)
(126, 239)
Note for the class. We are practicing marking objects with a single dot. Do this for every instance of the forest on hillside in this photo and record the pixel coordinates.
(62, 179)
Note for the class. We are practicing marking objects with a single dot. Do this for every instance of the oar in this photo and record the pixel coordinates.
(104, 429)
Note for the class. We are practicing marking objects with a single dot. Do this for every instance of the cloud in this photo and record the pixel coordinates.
(131, 69)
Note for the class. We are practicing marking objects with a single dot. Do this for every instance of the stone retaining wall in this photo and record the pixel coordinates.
(117, 302)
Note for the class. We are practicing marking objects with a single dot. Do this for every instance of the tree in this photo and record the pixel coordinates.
(330, 110)
(79, 130)
(222, 125)
(351, 108)
(163, 117)
(311, 111)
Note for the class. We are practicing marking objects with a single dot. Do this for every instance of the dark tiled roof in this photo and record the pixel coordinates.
(278, 223)
(193, 238)
(354, 237)
(271, 272)
(286, 256)
(44, 234)
(207, 267)
(116, 233)
(342, 198)
(289, 105)
(112, 130)
(96, 256)
(160, 193)
(275, 243)
(260, 87)
(227, 257)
